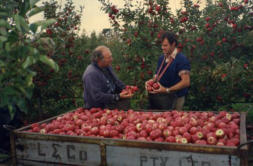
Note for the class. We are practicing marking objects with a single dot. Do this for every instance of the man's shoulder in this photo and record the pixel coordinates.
(160, 59)
(90, 70)
(181, 56)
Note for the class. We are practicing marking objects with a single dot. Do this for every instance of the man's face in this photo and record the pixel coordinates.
(167, 47)
(107, 60)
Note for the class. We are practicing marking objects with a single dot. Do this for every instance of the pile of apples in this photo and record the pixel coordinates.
(130, 89)
(221, 129)
(152, 85)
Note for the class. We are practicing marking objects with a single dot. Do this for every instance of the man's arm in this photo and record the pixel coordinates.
(184, 83)
(184, 74)
(93, 87)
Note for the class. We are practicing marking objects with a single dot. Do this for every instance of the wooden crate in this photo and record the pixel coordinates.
(32, 149)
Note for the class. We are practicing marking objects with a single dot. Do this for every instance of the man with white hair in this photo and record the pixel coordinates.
(101, 86)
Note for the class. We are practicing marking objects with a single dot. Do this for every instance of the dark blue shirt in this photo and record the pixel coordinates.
(100, 86)
(171, 75)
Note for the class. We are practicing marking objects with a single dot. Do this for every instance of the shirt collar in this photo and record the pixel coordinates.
(174, 53)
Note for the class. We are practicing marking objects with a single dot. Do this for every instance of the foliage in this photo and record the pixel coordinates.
(20, 49)
(56, 93)
(217, 40)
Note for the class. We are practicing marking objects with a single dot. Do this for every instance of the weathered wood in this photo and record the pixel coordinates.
(243, 139)
(243, 136)
(13, 148)
(212, 149)
(128, 156)
(58, 152)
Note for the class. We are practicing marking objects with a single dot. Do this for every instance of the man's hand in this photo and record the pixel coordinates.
(125, 94)
(161, 89)
(147, 85)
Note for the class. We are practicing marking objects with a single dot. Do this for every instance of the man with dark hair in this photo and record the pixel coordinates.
(101, 86)
(172, 77)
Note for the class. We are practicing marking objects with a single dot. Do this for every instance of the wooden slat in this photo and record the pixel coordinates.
(58, 152)
(243, 139)
(129, 156)
(243, 134)
(133, 143)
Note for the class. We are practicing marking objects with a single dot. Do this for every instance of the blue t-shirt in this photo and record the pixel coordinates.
(171, 75)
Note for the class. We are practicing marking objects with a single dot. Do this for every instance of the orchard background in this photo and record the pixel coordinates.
(42, 63)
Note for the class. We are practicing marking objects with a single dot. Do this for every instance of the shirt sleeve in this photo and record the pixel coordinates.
(94, 88)
(183, 66)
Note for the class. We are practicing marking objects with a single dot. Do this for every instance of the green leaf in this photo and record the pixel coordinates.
(11, 111)
(35, 11)
(4, 23)
(21, 24)
(22, 105)
(3, 38)
(45, 23)
(33, 2)
(9, 91)
(29, 61)
(25, 92)
(2, 64)
(2, 14)
(33, 27)
(29, 78)
(24, 8)
(3, 31)
(12, 37)
(49, 61)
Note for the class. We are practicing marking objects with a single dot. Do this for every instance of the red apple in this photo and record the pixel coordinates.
(193, 122)
(143, 133)
(170, 139)
(138, 126)
(155, 133)
(211, 140)
(156, 86)
(187, 136)
(141, 139)
(193, 130)
(200, 134)
(167, 132)
(183, 140)
(94, 130)
(182, 130)
(219, 133)
(159, 139)
(222, 125)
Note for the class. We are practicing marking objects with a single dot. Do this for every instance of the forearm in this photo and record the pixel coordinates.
(179, 85)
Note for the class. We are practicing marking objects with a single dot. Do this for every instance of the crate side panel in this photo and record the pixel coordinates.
(129, 156)
(58, 152)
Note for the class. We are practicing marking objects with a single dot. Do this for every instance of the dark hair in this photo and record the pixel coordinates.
(171, 37)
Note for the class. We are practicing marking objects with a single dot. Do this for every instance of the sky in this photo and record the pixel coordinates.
(93, 18)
